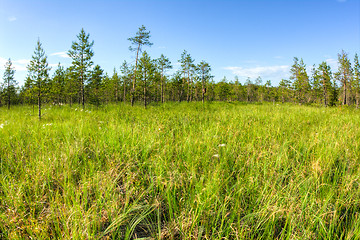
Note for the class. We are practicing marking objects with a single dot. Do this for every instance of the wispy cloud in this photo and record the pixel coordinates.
(53, 65)
(60, 54)
(2, 62)
(267, 72)
(250, 61)
(12, 19)
(341, 1)
(333, 63)
(19, 65)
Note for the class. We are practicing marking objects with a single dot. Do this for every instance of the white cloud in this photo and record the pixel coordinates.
(2, 62)
(53, 65)
(267, 72)
(11, 19)
(333, 63)
(19, 65)
(250, 61)
(60, 54)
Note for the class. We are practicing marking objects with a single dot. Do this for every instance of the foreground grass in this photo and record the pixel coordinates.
(180, 171)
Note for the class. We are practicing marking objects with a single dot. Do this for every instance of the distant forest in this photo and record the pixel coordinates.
(147, 81)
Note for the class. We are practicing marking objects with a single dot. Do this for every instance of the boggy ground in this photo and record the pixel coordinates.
(180, 171)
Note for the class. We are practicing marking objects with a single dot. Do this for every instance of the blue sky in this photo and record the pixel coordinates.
(243, 38)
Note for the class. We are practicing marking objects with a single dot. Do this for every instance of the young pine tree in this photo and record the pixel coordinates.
(94, 85)
(146, 73)
(81, 53)
(187, 64)
(344, 76)
(57, 85)
(356, 80)
(9, 84)
(204, 70)
(141, 39)
(38, 72)
(324, 72)
(115, 79)
(163, 64)
(300, 80)
(126, 77)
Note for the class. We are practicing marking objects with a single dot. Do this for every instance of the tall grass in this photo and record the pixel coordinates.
(180, 171)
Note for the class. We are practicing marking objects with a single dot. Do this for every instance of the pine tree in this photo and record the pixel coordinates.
(204, 70)
(141, 39)
(126, 78)
(324, 72)
(72, 86)
(81, 53)
(300, 80)
(176, 87)
(146, 73)
(9, 84)
(57, 85)
(115, 79)
(259, 89)
(285, 90)
(344, 76)
(94, 85)
(356, 80)
(163, 64)
(27, 91)
(38, 72)
(187, 64)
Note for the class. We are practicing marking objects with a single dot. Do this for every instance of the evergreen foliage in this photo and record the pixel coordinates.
(9, 84)
(81, 53)
(38, 76)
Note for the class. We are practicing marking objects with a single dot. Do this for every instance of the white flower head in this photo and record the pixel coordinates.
(222, 145)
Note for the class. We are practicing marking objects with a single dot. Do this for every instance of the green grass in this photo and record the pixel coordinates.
(180, 171)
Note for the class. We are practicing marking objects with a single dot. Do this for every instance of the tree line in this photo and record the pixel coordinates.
(147, 80)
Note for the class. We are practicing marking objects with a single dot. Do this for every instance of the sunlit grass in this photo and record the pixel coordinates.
(180, 171)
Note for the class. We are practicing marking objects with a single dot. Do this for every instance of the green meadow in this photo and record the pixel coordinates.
(180, 171)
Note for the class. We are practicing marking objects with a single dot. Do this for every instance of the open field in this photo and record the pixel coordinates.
(180, 171)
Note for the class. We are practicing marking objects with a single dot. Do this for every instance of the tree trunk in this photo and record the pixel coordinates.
(39, 101)
(82, 95)
(344, 94)
(116, 93)
(162, 86)
(124, 98)
(203, 90)
(8, 91)
(145, 89)
(134, 80)
(188, 92)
